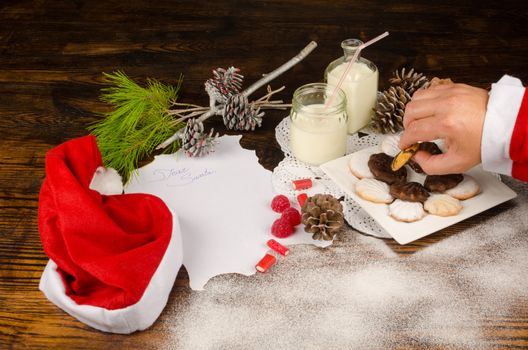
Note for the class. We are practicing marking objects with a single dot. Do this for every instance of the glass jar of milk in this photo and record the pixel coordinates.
(360, 85)
(318, 133)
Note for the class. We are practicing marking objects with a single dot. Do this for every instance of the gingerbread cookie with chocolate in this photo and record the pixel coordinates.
(442, 183)
(380, 166)
(409, 191)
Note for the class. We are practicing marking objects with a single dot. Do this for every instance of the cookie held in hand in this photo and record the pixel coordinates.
(429, 147)
(404, 156)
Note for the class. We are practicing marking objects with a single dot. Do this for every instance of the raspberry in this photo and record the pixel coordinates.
(292, 215)
(280, 203)
(281, 228)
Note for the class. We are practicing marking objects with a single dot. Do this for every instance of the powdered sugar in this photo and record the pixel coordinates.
(360, 293)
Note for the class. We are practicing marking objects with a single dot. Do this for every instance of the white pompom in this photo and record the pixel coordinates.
(106, 181)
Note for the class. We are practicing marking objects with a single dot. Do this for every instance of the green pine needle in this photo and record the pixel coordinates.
(137, 124)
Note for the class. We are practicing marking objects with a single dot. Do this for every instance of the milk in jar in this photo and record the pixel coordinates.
(318, 133)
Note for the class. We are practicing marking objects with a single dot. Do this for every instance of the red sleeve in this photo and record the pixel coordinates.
(519, 142)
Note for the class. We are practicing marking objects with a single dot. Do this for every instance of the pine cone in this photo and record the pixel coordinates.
(322, 215)
(410, 81)
(195, 143)
(389, 110)
(225, 82)
(239, 114)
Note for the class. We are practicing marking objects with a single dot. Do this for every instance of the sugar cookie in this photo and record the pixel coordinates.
(442, 205)
(406, 211)
(358, 165)
(390, 145)
(466, 189)
(373, 191)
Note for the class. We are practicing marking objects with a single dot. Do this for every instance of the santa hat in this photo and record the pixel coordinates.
(113, 259)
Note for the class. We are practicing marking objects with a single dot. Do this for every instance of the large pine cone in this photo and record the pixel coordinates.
(390, 109)
(409, 81)
(322, 215)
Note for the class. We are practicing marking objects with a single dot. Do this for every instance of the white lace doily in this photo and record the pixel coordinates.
(292, 169)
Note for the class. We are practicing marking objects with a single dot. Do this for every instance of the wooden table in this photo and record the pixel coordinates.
(52, 54)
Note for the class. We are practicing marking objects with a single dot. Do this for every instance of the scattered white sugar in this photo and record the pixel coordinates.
(359, 294)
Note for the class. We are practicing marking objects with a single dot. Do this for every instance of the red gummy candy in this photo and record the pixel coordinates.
(281, 228)
(279, 248)
(280, 203)
(302, 198)
(292, 215)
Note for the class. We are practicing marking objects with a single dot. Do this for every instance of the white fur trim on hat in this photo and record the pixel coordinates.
(135, 317)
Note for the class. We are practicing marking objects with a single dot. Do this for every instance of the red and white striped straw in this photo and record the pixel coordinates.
(349, 66)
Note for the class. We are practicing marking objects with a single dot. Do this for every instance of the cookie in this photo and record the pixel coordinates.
(466, 189)
(442, 183)
(373, 191)
(442, 205)
(390, 145)
(358, 165)
(409, 191)
(437, 81)
(441, 144)
(380, 166)
(429, 147)
(403, 157)
(406, 211)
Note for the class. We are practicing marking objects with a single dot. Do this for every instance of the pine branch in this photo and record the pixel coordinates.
(138, 122)
(202, 113)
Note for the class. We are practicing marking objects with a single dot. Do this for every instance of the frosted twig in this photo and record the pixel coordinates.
(274, 74)
(263, 102)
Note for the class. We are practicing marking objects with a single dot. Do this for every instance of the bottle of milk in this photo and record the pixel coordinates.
(360, 85)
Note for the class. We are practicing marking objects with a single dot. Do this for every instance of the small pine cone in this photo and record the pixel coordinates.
(239, 114)
(390, 107)
(225, 82)
(410, 81)
(322, 215)
(196, 143)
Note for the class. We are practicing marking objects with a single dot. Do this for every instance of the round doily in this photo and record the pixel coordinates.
(292, 169)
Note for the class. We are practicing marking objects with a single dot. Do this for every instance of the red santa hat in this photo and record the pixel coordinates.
(113, 259)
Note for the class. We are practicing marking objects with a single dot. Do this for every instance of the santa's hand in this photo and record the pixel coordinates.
(454, 113)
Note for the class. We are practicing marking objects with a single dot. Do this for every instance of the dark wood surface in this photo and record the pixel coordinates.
(52, 54)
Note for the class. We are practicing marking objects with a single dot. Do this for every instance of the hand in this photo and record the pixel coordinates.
(454, 113)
